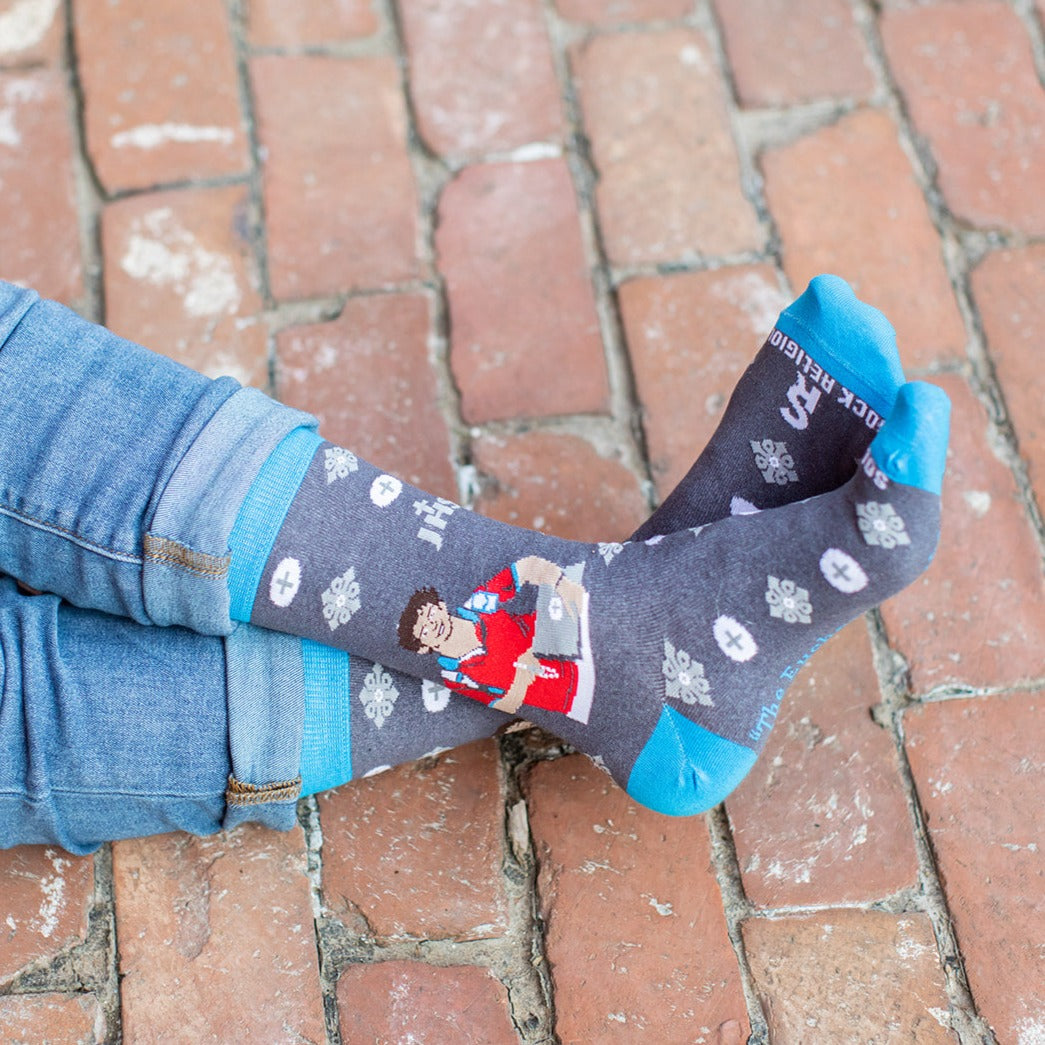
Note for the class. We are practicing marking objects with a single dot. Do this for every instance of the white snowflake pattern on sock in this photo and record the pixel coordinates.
(378, 695)
(788, 601)
(339, 463)
(774, 462)
(609, 550)
(341, 599)
(881, 525)
(684, 677)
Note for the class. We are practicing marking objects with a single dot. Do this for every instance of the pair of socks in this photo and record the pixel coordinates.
(664, 658)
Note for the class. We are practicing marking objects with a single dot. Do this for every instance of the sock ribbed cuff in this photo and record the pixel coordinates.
(262, 515)
(326, 743)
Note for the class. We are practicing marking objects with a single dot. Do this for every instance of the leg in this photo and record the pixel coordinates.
(112, 730)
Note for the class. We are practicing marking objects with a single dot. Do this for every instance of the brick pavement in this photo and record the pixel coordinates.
(519, 253)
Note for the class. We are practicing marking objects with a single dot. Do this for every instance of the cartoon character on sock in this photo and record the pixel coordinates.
(507, 659)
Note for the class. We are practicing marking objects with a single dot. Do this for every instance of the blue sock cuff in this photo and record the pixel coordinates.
(912, 447)
(685, 769)
(326, 743)
(261, 516)
(851, 340)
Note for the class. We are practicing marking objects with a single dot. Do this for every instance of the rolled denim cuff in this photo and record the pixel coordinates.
(266, 707)
(186, 546)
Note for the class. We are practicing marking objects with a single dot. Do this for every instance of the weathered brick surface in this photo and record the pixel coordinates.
(368, 379)
(845, 201)
(655, 110)
(1009, 290)
(500, 90)
(401, 1001)
(41, 239)
(31, 31)
(417, 850)
(160, 91)
(216, 938)
(341, 208)
(849, 975)
(289, 23)
(622, 11)
(46, 894)
(785, 54)
(968, 77)
(690, 338)
(524, 333)
(51, 1019)
(180, 278)
(978, 767)
(822, 818)
(558, 484)
(633, 917)
(977, 616)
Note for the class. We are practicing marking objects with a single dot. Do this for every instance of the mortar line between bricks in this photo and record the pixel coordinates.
(960, 253)
(259, 240)
(432, 176)
(111, 1001)
(625, 408)
(88, 188)
(1028, 12)
(930, 898)
(737, 908)
(308, 818)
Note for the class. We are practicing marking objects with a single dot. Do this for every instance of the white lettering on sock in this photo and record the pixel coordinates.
(873, 472)
(433, 519)
(803, 400)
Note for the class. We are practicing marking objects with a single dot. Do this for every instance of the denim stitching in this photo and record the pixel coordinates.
(241, 794)
(71, 535)
(170, 553)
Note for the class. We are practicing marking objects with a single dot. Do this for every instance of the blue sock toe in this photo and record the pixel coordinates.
(912, 447)
(850, 339)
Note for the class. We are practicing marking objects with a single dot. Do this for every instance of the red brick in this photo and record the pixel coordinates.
(635, 931)
(822, 818)
(216, 938)
(1009, 289)
(980, 778)
(690, 338)
(290, 23)
(41, 244)
(180, 278)
(46, 895)
(848, 975)
(669, 180)
(368, 379)
(524, 332)
(977, 616)
(557, 484)
(784, 53)
(498, 92)
(341, 208)
(417, 850)
(845, 201)
(32, 1019)
(161, 101)
(402, 1001)
(968, 77)
(31, 31)
(626, 11)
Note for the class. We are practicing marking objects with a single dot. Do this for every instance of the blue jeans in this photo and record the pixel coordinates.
(109, 729)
